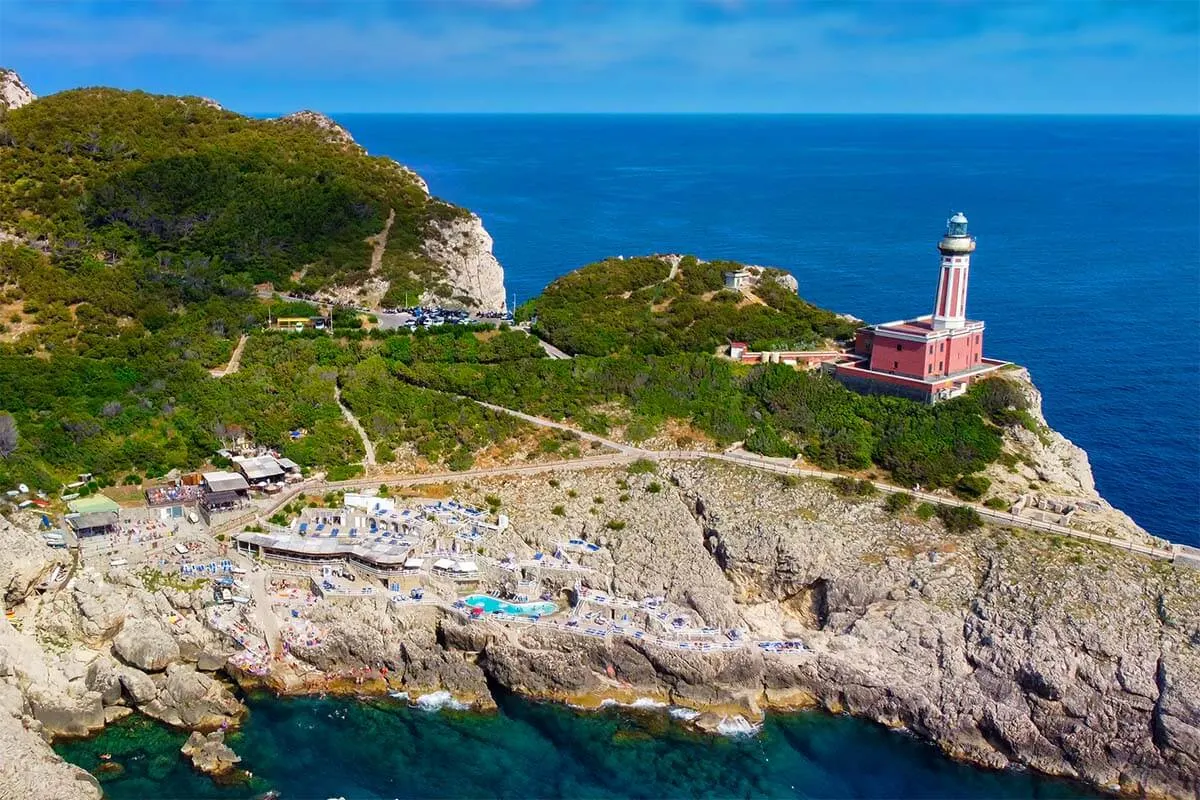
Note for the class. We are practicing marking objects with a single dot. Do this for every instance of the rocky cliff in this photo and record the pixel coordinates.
(460, 247)
(463, 248)
(1049, 477)
(1002, 646)
(13, 91)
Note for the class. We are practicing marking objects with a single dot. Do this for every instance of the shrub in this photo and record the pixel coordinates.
(972, 487)
(997, 503)
(897, 502)
(598, 500)
(1001, 400)
(654, 488)
(851, 487)
(384, 491)
(572, 493)
(766, 441)
(344, 472)
(926, 511)
(553, 483)
(959, 519)
(558, 511)
(623, 498)
(643, 466)
(132, 480)
(492, 500)
(615, 525)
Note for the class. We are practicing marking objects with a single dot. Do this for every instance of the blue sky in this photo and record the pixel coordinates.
(888, 56)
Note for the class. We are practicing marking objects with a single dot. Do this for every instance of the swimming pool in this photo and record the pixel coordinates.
(492, 605)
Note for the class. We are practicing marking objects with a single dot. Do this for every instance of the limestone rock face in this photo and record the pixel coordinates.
(13, 91)
(464, 249)
(1056, 472)
(30, 769)
(190, 699)
(146, 646)
(24, 560)
(210, 754)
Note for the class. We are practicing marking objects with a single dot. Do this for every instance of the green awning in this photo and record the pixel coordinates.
(94, 504)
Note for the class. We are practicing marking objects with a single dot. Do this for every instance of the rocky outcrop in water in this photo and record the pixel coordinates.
(210, 754)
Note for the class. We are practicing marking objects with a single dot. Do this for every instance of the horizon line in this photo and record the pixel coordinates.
(1076, 114)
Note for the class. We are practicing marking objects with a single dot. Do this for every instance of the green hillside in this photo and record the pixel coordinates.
(207, 200)
(637, 305)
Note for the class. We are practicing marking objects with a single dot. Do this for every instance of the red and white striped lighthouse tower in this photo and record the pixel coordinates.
(950, 307)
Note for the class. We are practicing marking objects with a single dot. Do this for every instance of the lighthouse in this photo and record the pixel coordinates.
(932, 357)
(950, 305)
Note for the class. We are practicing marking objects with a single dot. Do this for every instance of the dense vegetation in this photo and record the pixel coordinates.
(149, 409)
(775, 409)
(633, 305)
(200, 199)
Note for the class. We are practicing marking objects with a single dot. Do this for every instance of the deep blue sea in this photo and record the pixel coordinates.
(1087, 272)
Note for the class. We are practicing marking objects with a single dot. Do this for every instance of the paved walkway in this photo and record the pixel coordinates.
(262, 609)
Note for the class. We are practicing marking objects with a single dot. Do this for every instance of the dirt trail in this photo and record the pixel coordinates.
(368, 448)
(235, 359)
(379, 242)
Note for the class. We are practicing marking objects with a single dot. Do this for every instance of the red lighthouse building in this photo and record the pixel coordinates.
(929, 358)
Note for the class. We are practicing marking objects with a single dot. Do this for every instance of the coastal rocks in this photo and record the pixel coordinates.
(190, 699)
(209, 753)
(66, 713)
(1002, 646)
(13, 91)
(30, 769)
(1053, 473)
(24, 561)
(146, 646)
(463, 248)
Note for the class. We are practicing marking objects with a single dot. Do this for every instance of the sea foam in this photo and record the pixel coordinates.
(438, 700)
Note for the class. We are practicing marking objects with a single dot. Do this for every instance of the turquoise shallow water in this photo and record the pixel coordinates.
(492, 604)
(325, 748)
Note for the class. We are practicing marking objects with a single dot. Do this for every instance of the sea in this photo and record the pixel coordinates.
(1087, 272)
(323, 748)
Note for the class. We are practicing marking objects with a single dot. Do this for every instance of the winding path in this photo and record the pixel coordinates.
(627, 453)
(368, 448)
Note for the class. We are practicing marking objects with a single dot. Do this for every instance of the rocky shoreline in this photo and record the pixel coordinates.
(1002, 646)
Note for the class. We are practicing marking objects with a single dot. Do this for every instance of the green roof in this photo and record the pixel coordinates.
(93, 504)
